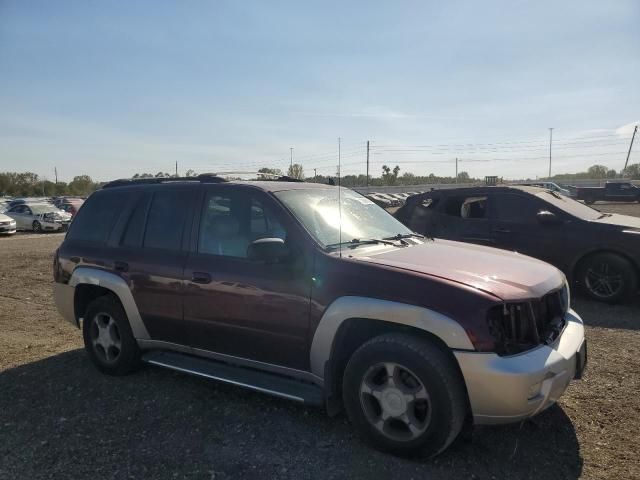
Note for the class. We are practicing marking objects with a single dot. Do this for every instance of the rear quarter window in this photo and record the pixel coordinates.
(97, 216)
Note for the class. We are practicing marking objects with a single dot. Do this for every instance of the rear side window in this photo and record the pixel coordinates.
(166, 217)
(97, 216)
(467, 207)
(132, 236)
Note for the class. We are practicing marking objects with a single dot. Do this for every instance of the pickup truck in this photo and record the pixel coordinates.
(612, 191)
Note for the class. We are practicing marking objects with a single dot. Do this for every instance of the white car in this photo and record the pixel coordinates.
(7, 225)
(39, 217)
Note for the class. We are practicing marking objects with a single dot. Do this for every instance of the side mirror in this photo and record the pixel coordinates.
(268, 250)
(546, 217)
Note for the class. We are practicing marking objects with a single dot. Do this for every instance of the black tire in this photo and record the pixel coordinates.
(439, 375)
(620, 277)
(123, 356)
(589, 200)
(37, 226)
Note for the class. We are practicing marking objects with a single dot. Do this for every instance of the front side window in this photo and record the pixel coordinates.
(230, 222)
(512, 208)
(317, 210)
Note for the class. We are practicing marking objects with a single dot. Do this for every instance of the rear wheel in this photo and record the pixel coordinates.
(589, 200)
(608, 277)
(108, 339)
(37, 226)
(404, 395)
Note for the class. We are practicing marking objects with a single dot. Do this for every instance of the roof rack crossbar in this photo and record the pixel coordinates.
(124, 182)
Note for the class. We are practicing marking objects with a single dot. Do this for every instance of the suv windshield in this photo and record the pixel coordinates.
(361, 218)
(572, 207)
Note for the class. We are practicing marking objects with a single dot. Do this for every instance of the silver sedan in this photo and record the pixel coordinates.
(39, 217)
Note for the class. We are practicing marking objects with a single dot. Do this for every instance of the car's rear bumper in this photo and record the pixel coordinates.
(510, 389)
(63, 295)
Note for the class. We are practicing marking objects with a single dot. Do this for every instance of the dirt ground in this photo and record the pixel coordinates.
(60, 418)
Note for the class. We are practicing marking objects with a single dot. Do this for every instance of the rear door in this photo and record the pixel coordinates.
(464, 218)
(149, 251)
(240, 307)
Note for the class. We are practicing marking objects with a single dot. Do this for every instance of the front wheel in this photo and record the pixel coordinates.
(37, 226)
(589, 200)
(608, 277)
(404, 395)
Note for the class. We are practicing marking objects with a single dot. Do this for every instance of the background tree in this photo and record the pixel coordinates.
(390, 177)
(633, 171)
(82, 185)
(190, 173)
(463, 177)
(296, 171)
(598, 171)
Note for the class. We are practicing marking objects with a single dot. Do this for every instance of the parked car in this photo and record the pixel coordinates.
(379, 200)
(612, 191)
(598, 251)
(554, 187)
(71, 206)
(271, 286)
(7, 225)
(39, 217)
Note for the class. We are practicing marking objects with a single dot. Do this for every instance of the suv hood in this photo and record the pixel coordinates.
(504, 274)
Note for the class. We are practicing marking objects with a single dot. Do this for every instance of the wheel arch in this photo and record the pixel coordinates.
(91, 283)
(351, 321)
(579, 261)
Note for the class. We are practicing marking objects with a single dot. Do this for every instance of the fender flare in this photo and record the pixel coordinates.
(120, 288)
(344, 308)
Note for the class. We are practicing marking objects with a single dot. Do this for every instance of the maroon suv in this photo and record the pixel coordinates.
(315, 294)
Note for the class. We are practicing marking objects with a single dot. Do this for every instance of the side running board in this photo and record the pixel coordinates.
(268, 383)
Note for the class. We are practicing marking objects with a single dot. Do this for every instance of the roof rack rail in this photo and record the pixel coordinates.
(203, 178)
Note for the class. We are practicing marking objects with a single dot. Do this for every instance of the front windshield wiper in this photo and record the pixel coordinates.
(400, 236)
(355, 242)
(603, 215)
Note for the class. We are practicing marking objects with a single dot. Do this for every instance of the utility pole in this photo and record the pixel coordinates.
(629, 152)
(291, 156)
(176, 169)
(367, 163)
(55, 170)
(550, 143)
(456, 169)
(315, 174)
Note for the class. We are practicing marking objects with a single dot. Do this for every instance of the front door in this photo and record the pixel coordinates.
(240, 307)
(515, 226)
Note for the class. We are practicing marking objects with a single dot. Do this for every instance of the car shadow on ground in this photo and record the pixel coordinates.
(602, 315)
(60, 418)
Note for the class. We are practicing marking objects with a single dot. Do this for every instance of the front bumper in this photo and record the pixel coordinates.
(510, 389)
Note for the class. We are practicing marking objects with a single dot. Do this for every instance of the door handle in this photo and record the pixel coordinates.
(121, 266)
(200, 277)
(501, 230)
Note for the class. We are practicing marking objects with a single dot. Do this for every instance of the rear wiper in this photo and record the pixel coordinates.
(362, 241)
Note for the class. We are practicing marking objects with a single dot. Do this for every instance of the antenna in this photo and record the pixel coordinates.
(339, 201)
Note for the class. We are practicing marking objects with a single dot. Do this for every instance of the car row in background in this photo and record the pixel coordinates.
(389, 200)
(38, 217)
(598, 251)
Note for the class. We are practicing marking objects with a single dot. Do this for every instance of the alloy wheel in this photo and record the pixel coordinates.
(603, 280)
(395, 401)
(105, 338)
(37, 227)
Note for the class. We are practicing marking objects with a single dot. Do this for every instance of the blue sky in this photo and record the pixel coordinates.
(114, 88)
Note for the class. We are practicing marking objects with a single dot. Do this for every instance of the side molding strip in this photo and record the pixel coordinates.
(344, 308)
(111, 281)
